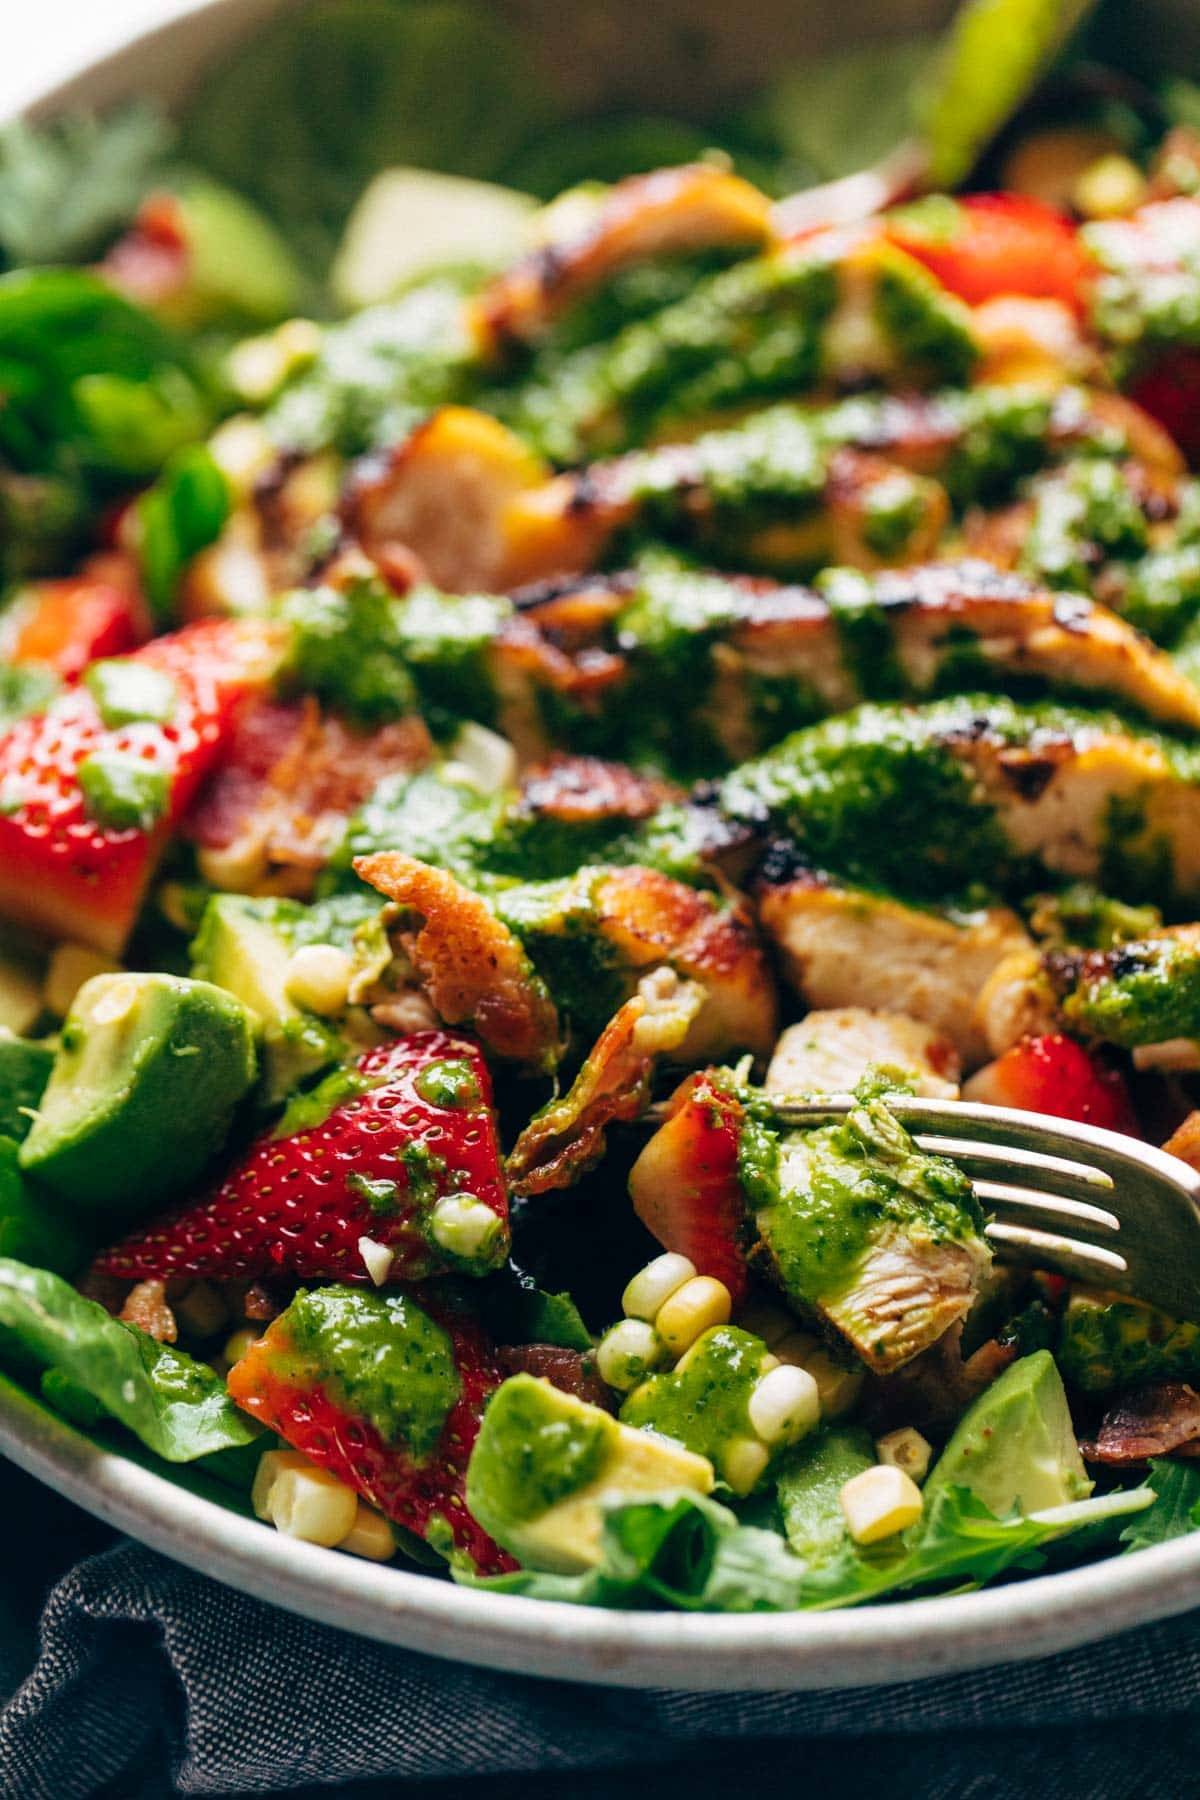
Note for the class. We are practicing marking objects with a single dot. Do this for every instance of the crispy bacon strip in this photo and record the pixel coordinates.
(1163, 1420)
(667, 212)
(471, 965)
(566, 1138)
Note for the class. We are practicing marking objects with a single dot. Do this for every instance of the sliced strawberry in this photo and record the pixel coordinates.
(64, 869)
(412, 1126)
(990, 244)
(298, 1380)
(68, 624)
(685, 1184)
(1055, 1075)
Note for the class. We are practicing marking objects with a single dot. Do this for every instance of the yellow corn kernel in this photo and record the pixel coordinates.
(272, 1464)
(879, 1503)
(243, 451)
(627, 1353)
(310, 1503)
(235, 869)
(694, 1308)
(906, 1449)
(258, 366)
(784, 1405)
(70, 966)
(653, 1286)
(743, 1463)
(463, 1226)
(1110, 186)
(370, 1535)
(318, 977)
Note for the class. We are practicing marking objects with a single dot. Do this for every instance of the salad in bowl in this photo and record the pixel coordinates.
(639, 643)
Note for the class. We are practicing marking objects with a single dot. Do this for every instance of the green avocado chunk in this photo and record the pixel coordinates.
(24, 1071)
(810, 1480)
(244, 946)
(547, 1466)
(1107, 1341)
(147, 1075)
(1015, 1445)
(239, 270)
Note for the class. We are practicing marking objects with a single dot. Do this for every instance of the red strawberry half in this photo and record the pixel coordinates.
(685, 1184)
(86, 807)
(990, 244)
(412, 1127)
(302, 1379)
(1056, 1075)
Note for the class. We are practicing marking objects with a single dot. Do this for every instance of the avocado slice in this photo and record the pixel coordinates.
(243, 946)
(148, 1072)
(239, 269)
(1015, 1445)
(412, 220)
(546, 1465)
(810, 1480)
(24, 1071)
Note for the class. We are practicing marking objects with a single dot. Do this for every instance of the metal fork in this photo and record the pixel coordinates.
(1092, 1204)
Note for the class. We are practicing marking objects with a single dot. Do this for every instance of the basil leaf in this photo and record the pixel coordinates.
(182, 514)
(66, 188)
(176, 1406)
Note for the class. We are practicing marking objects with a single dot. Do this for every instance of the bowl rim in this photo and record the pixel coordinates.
(859, 1647)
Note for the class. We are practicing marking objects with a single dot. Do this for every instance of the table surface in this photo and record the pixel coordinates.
(52, 37)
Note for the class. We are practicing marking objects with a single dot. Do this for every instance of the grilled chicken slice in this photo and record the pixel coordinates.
(441, 496)
(595, 935)
(567, 1137)
(844, 309)
(844, 947)
(1143, 996)
(929, 801)
(748, 659)
(830, 1052)
(470, 965)
(883, 1241)
(670, 212)
(470, 501)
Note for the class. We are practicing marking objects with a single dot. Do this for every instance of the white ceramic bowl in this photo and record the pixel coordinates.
(788, 1650)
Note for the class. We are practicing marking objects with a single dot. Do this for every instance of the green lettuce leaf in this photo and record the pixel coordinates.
(177, 1407)
(689, 1552)
(1176, 1508)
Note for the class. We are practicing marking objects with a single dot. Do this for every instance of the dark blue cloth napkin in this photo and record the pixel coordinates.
(149, 1680)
